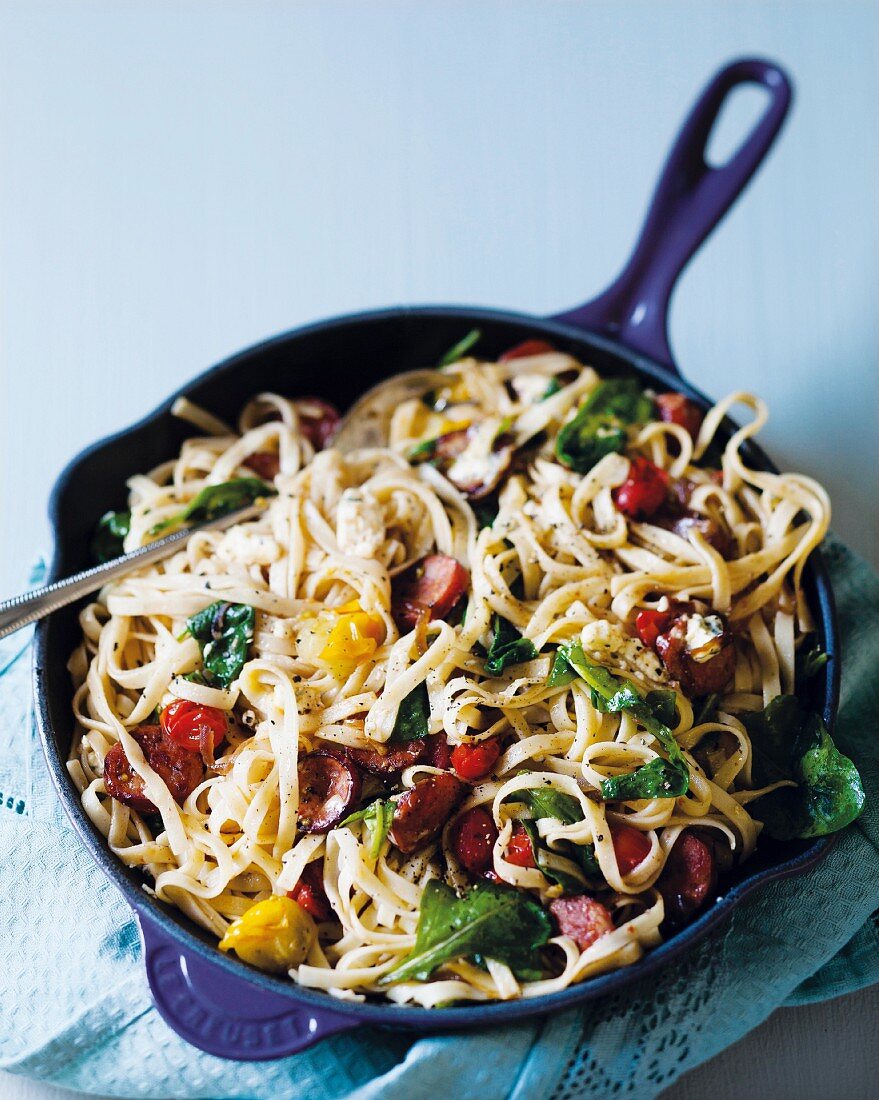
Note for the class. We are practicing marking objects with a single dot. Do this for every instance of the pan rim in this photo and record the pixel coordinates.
(178, 928)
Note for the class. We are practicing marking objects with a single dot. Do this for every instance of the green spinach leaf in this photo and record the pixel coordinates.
(459, 350)
(555, 868)
(808, 664)
(379, 816)
(218, 500)
(707, 710)
(109, 535)
(609, 693)
(491, 921)
(790, 743)
(224, 631)
(599, 426)
(413, 716)
(662, 704)
(553, 388)
(507, 647)
(655, 779)
(549, 802)
(561, 674)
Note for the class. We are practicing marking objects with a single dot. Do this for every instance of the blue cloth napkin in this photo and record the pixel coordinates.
(76, 1010)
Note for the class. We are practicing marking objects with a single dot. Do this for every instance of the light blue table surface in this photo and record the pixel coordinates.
(179, 180)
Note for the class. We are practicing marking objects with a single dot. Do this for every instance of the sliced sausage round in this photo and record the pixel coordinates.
(486, 475)
(392, 762)
(439, 752)
(434, 584)
(710, 529)
(265, 464)
(421, 812)
(318, 420)
(329, 785)
(697, 677)
(180, 770)
(688, 878)
(582, 918)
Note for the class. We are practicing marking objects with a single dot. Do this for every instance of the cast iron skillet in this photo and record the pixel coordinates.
(216, 1002)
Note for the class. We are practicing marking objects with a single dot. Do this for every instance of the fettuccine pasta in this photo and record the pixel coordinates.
(507, 660)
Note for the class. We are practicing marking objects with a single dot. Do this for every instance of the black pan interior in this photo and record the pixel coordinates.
(338, 360)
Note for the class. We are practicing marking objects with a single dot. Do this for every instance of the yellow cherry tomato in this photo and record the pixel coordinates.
(274, 935)
(341, 638)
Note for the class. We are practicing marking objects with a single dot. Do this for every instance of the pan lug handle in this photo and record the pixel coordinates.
(226, 1015)
(690, 198)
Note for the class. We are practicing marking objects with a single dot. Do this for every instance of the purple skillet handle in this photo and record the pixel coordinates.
(689, 200)
(225, 1015)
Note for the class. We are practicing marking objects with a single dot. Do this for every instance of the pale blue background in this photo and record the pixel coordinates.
(181, 179)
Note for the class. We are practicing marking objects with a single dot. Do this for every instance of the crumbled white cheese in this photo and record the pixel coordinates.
(608, 644)
(244, 544)
(478, 464)
(360, 524)
(703, 636)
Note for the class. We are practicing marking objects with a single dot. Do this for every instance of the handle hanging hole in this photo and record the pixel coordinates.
(741, 111)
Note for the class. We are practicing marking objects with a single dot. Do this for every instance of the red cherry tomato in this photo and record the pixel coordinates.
(644, 491)
(188, 724)
(630, 846)
(674, 408)
(310, 894)
(650, 624)
(526, 348)
(519, 850)
(474, 839)
(475, 761)
(318, 420)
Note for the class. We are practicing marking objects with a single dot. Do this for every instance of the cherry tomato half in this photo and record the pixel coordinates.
(630, 846)
(187, 724)
(650, 624)
(309, 892)
(644, 491)
(475, 761)
(526, 348)
(519, 850)
(674, 408)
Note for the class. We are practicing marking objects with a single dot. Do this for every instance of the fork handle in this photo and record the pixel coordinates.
(23, 610)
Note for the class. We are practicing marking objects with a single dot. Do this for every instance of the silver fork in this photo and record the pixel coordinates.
(25, 609)
(362, 426)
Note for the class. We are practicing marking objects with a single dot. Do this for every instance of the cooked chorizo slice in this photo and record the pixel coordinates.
(393, 761)
(698, 652)
(329, 785)
(582, 918)
(434, 584)
(473, 842)
(421, 812)
(479, 477)
(318, 420)
(688, 878)
(180, 770)
(710, 529)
